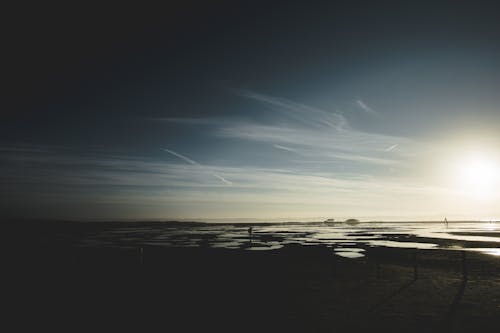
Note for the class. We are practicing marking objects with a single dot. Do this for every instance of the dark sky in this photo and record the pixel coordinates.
(241, 108)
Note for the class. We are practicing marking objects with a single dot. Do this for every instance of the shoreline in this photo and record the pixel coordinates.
(195, 222)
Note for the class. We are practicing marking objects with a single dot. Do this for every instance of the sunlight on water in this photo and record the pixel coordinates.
(349, 252)
(493, 252)
(347, 241)
(409, 245)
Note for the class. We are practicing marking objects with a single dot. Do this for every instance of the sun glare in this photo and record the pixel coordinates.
(478, 175)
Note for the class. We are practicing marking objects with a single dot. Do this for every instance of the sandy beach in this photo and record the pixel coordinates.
(295, 288)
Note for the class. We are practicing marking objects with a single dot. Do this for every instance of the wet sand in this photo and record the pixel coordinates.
(63, 287)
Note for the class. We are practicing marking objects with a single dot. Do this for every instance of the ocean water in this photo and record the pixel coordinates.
(347, 241)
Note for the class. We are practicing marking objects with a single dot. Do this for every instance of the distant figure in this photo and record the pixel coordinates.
(446, 222)
(250, 233)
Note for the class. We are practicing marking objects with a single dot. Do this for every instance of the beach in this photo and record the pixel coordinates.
(60, 284)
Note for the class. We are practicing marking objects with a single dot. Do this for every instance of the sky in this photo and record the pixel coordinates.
(260, 110)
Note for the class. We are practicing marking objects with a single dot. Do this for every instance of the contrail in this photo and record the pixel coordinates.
(284, 148)
(365, 107)
(190, 161)
(182, 157)
(391, 147)
(224, 180)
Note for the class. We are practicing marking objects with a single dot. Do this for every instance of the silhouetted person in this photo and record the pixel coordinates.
(446, 222)
(250, 233)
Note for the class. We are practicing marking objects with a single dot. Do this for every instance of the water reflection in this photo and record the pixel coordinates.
(491, 251)
(348, 240)
(408, 245)
(349, 252)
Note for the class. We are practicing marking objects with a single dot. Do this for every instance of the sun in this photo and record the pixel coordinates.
(478, 175)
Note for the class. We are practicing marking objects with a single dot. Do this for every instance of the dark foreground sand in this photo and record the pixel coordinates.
(59, 287)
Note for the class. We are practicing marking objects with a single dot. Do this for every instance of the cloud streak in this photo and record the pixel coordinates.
(284, 148)
(365, 107)
(318, 134)
(391, 148)
(301, 113)
(313, 133)
(192, 162)
(182, 157)
(152, 187)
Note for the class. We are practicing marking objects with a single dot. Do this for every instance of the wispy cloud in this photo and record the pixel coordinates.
(153, 187)
(302, 113)
(308, 131)
(365, 107)
(317, 134)
(330, 165)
